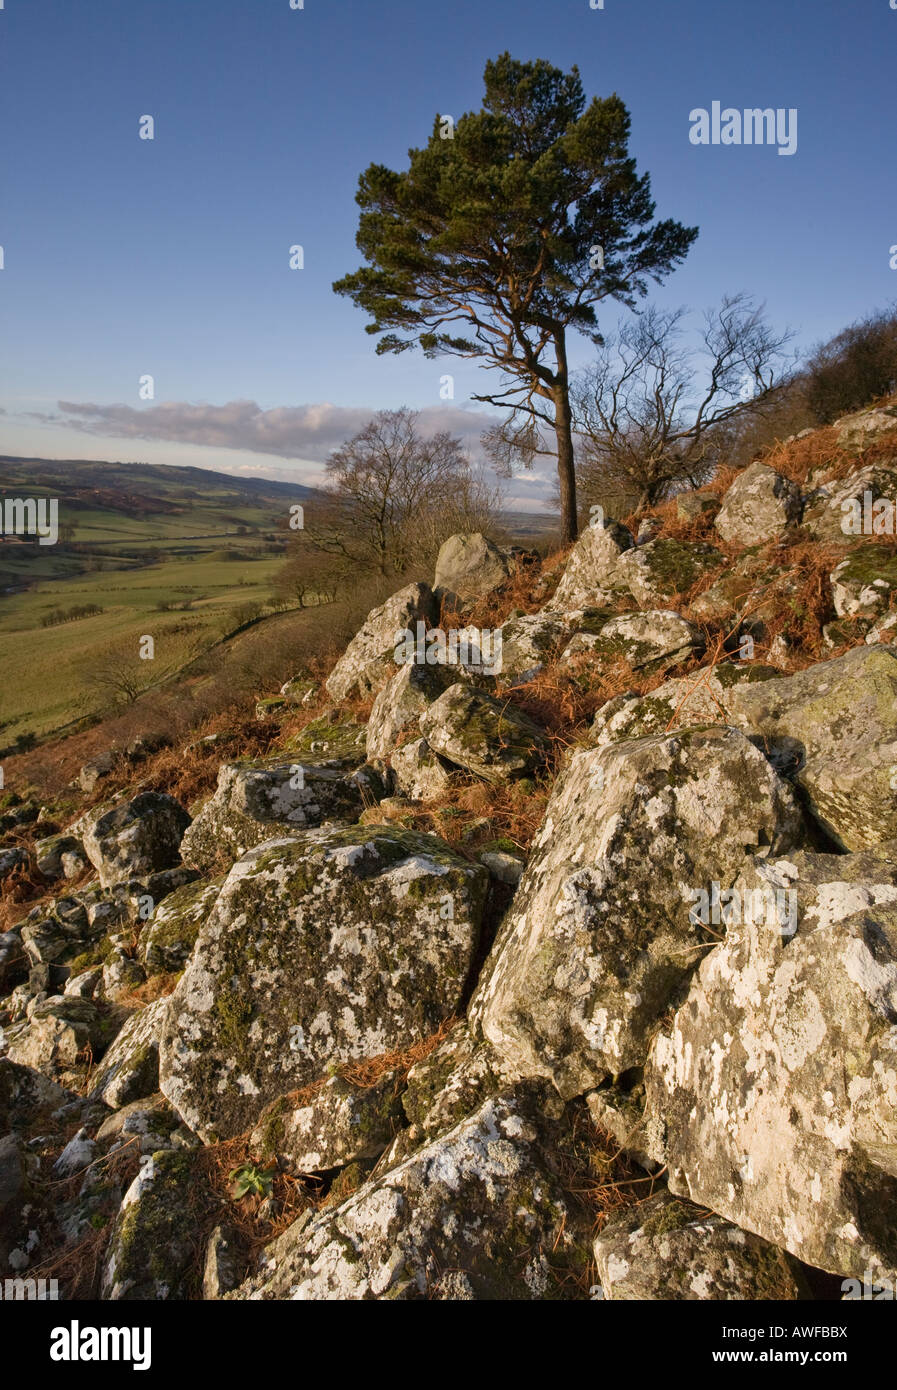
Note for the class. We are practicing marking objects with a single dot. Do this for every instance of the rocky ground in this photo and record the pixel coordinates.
(571, 975)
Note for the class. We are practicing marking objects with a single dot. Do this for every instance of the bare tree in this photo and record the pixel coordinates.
(117, 674)
(392, 496)
(653, 412)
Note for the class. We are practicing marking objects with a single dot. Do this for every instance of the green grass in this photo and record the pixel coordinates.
(45, 685)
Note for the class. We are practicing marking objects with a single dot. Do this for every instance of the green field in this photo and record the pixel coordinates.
(177, 554)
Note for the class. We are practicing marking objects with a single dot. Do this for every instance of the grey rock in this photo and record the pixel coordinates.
(598, 938)
(336, 945)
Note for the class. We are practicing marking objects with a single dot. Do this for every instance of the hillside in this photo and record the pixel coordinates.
(140, 547)
(413, 985)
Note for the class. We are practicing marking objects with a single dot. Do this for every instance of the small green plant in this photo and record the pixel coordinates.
(249, 1178)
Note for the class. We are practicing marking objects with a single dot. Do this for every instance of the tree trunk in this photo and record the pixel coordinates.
(563, 428)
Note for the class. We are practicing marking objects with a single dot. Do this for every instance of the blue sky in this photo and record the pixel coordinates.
(126, 257)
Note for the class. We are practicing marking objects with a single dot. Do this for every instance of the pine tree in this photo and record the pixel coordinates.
(514, 221)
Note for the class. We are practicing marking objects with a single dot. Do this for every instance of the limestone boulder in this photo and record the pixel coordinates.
(655, 573)
(469, 566)
(842, 511)
(590, 577)
(651, 640)
(336, 945)
(150, 1252)
(419, 772)
(772, 1094)
(257, 801)
(129, 1070)
(369, 657)
(863, 582)
(834, 728)
(487, 736)
(760, 506)
(134, 838)
(340, 1123)
(479, 1214)
(667, 1249)
(170, 933)
(401, 702)
(598, 938)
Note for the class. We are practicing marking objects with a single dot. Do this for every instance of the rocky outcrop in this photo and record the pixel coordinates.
(862, 583)
(130, 1069)
(487, 736)
(337, 945)
(528, 642)
(369, 657)
(841, 511)
(170, 934)
(598, 938)
(419, 772)
(254, 802)
(759, 506)
(772, 1095)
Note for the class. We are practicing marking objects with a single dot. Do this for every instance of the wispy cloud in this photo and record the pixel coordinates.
(306, 432)
(291, 432)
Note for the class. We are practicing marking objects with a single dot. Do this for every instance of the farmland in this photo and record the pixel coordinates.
(180, 555)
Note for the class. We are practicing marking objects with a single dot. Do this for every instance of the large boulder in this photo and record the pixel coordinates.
(336, 945)
(842, 510)
(134, 838)
(477, 1214)
(259, 801)
(484, 735)
(598, 938)
(469, 566)
(657, 572)
(369, 657)
(668, 1249)
(834, 726)
(772, 1094)
(590, 575)
(760, 506)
